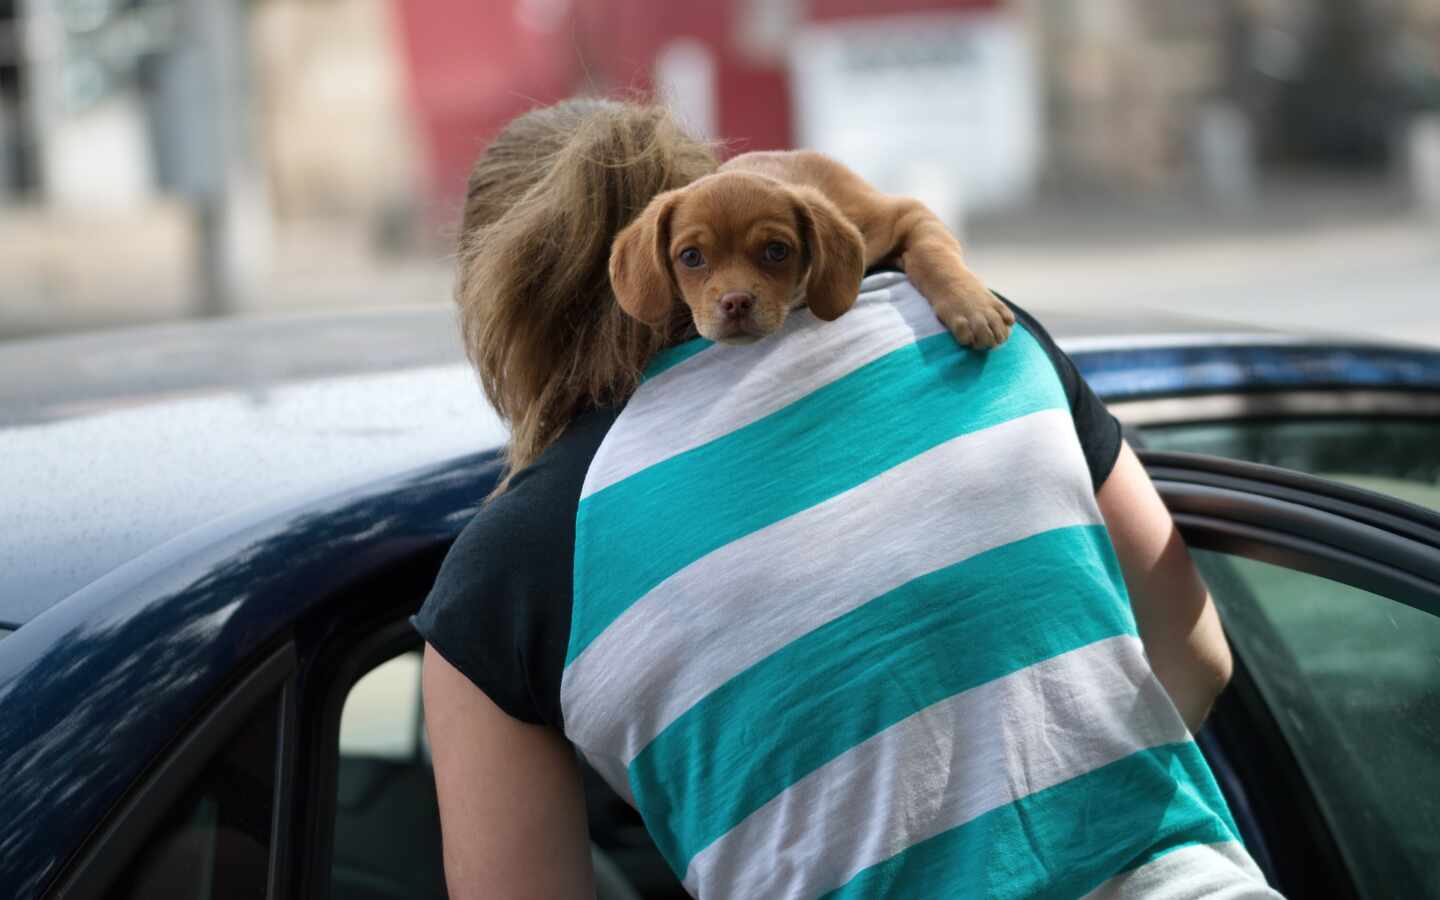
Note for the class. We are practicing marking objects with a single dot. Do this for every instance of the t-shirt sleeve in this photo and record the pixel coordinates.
(500, 607)
(499, 613)
(1095, 425)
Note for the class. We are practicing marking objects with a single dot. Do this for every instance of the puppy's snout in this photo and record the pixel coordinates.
(737, 304)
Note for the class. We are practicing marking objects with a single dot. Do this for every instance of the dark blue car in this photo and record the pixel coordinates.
(213, 536)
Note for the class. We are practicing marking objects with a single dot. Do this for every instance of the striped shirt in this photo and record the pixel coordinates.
(844, 621)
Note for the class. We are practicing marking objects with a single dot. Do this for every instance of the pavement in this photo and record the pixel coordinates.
(1352, 259)
(1345, 257)
(63, 272)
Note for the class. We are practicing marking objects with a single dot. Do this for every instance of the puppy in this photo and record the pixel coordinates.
(771, 231)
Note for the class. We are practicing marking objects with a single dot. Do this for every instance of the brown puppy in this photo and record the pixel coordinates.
(771, 231)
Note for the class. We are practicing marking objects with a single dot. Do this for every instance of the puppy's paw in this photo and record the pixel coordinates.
(983, 325)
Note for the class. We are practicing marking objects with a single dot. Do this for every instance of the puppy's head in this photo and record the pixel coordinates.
(741, 250)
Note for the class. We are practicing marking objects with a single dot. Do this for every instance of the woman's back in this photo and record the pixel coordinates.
(840, 614)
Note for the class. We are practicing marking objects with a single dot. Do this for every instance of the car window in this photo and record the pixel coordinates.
(382, 717)
(1353, 680)
(214, 844)
(1392, 456)
(387, 819)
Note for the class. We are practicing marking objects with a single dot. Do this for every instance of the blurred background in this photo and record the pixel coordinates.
(1269, 161)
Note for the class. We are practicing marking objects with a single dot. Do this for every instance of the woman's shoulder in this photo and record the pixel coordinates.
(504, 591)
(529, 528)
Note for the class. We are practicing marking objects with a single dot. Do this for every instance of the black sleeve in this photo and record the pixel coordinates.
(1097, 428)
(499, 610)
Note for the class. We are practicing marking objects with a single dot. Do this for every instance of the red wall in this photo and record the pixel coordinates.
(753, 106)
(472, 68)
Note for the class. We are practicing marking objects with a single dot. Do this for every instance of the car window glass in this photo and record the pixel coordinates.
(387, 819)
(1353, 680)
(1392, 456)
(382, 716)
(214, 844)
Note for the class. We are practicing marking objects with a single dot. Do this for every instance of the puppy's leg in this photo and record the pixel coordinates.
(901, 229)
(931, 256)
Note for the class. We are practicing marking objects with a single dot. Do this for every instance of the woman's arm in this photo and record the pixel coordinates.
(1177, 618)
(512, 810)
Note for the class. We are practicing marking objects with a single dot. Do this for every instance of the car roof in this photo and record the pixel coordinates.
(118, 442)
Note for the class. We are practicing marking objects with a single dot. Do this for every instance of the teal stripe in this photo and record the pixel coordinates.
(1066, 840)
(636, 533)
(857, 675)
(671, 357)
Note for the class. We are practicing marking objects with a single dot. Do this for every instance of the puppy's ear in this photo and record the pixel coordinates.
(640, 262)
(834, 253)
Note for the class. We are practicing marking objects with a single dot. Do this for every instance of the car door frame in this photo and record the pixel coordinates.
(336, 669)
(126, 831)
(1305, 523)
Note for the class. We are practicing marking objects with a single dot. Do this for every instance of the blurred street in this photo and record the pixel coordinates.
(1348, 258)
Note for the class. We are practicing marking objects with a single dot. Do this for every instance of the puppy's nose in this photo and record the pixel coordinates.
(737, 304)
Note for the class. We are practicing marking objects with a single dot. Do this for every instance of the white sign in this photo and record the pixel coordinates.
(943, 108)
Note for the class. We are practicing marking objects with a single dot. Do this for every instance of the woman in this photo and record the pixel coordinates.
(834, 611)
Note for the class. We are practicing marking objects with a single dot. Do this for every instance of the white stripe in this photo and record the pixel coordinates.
(726, 388)
(733, 607)
(1213, 871)
(964, 756)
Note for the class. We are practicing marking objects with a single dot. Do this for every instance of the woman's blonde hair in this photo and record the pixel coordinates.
(545, 201)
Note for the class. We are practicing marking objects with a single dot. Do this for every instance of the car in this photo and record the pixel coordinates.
(214, 535)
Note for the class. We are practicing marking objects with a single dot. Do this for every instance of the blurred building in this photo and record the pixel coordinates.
(1146, 94)
(115, 102)
(981, 99)
(946, 86)
(334, 102)
(371, 108)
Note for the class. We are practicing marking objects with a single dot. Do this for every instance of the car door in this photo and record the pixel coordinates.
(207, 820)
(1326, 743)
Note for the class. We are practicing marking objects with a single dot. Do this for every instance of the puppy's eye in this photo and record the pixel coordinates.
(692, 258)
(776, 251)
